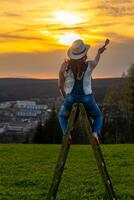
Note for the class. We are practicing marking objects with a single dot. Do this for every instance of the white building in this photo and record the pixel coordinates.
(2, 130)
(28, 113)
(30, 105)
(15, 128)
(5, 105)
(3, 127)
(25, 103)
(21, 127)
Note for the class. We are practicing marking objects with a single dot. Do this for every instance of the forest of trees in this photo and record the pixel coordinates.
(118, 118)
(50, 132)
(119, 111)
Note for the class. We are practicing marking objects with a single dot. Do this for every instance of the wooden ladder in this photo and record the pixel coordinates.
(79, 107)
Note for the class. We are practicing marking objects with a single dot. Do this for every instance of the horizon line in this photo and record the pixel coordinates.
(54, 78)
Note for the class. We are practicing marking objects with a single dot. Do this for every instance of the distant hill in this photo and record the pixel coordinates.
(22, 89)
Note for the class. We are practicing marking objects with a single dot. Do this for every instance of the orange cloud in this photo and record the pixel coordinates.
(29, 26)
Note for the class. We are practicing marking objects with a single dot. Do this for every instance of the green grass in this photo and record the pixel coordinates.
(26, 172)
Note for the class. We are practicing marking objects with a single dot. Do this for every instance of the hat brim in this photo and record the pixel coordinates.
(79, 56)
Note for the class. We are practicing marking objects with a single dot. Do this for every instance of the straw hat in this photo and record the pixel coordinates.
(78, 49)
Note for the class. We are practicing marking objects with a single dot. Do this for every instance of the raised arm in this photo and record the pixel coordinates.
(100, 51)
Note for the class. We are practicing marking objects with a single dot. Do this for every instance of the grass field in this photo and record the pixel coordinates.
(26, 172)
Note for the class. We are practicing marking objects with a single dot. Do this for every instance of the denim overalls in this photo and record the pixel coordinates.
(77, 95)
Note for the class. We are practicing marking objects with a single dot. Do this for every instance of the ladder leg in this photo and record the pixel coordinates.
(62, 157)
(59, 169)
(98, 155)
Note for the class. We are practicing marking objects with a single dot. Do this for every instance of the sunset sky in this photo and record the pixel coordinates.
(35, 35)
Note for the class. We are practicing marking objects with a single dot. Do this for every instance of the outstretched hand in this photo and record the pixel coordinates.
(107, 42)
(103, 48)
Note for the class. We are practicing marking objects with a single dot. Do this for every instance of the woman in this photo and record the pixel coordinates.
(75, 85)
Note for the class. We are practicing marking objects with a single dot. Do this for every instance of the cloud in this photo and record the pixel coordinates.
(38, 62)
(118, 1)
(34, 21)
(18, 37)
(19, 30)
(11, 14)
(112, 63)
(79, 27)
(117, 8)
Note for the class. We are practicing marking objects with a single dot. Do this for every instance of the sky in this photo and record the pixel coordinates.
(36, 34)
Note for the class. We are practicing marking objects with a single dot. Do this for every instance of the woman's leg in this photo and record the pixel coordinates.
(63, 118)
(97, 119)
(94, 112)
(64, 113)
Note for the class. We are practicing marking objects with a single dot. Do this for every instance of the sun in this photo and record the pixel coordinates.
(63, 19)
(67, 18)
(68, 38)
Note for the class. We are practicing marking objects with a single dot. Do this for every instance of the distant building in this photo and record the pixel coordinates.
(30, 105)
(5, 105)
(25, 103)
(21, 127)
(28, 113)
(2, 130)
(15, 128)
(21, 116)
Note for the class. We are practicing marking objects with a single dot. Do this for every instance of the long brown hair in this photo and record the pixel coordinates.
(77, 66)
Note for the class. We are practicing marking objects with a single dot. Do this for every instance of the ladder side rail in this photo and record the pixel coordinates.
(62, 156)
(98, 155)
